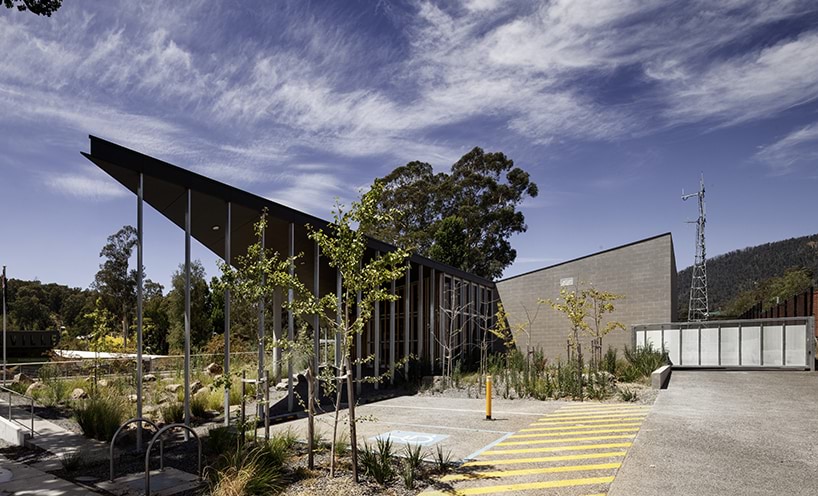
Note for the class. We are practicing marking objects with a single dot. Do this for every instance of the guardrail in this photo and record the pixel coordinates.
(780, 342)
(26, 401)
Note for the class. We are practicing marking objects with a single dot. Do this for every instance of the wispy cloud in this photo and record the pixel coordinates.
(85, 185)
(798, 147)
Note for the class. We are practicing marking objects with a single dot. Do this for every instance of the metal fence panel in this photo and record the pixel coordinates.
(774, 343)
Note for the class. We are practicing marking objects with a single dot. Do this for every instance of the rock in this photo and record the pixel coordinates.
(102, 383)
(214, 368)
(148, 378)
(35, 386)
(22, 378)
(78, 394)
(195, 387)
(282, 386)
(149, 410)
(132, 398)
(202, 393)
(173, 388)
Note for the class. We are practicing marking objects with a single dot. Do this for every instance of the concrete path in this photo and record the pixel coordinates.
(727, 433)
(18, 479)
(574, 451)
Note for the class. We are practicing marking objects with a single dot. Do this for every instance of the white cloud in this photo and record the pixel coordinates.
(798, 147)
(85, 185)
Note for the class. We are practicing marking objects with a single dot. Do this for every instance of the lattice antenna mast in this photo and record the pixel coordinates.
(698, 308)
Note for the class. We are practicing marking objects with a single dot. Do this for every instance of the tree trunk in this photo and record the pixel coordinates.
(353, 436)
(311, 418)
(335, 426)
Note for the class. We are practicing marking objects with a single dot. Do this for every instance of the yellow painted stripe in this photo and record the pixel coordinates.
(585, 422)
(593, 417)
(577, 447)
(565, 440)
(505, 488)
(544, 459)
(585, 406)
(576, 432)
(530, 471)
(580, 427)
(597, 412)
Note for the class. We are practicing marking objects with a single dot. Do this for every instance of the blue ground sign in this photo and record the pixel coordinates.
(405, 437)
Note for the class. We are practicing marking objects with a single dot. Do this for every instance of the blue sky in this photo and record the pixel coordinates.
(612, 106)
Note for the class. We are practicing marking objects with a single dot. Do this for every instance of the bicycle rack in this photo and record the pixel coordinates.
(113, 441)
(158, 435)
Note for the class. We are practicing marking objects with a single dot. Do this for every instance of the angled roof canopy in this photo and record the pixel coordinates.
(164, 189)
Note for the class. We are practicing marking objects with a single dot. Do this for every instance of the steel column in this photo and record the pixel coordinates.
(140, 196)
(187, 308)
(227, 259)
(290, 320)
(392, 335)
(407, 332)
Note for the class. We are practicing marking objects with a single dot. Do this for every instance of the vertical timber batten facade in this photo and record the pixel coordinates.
(411, 335)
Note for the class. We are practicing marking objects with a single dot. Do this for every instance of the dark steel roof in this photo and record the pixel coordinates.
(164, 189)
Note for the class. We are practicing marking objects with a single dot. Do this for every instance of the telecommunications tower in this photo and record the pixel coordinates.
(697, 309)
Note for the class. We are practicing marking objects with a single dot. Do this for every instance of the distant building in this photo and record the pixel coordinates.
(644, 272)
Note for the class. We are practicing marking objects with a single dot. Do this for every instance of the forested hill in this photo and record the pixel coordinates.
(732, 273)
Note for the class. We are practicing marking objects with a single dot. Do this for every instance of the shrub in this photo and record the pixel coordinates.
(645, 359)
(99, 417)
(246, 470)
(413, 459)
(221, 440)
(628, 394)
(173, 413)
(198, 407)
(609, 361)
(443, 459)
(377, 463)
(342, 443)
(73, 461)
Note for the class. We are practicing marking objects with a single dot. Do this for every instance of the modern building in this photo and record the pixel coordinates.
(643, 272)
(414, 331)
(441, 310)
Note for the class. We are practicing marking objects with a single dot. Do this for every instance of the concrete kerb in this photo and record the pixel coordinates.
(660, 377)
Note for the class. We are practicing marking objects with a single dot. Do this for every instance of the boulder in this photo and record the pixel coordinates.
(132, 398)
(78, 394)
(202, 393)
(173, 388)
(35, 386)
(148, 378)
(195, 387)
(214, 369)
(22, 378)
(102, 383)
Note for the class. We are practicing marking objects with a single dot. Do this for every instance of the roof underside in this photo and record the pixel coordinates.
(165, 187)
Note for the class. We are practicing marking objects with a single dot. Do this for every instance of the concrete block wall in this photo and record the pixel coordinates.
(644, 272)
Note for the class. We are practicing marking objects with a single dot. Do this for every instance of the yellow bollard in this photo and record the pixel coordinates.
(488, 397)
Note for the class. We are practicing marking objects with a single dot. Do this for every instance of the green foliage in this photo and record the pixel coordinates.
(576, 308)
(248, 469)
(644, 360)
(377, 462)
(198, 406)
(201, 327)
(411, 466)
(173, 412)
(743, 270)
(464, 218)
(100, 416)
(342, 443)
(601, 303)
(609, 361)
(443, 459)
(221, 440)
(628, 394)
(73, 460)
(770, 291)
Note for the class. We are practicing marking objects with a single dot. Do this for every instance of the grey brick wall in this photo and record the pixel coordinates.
(644, 272)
